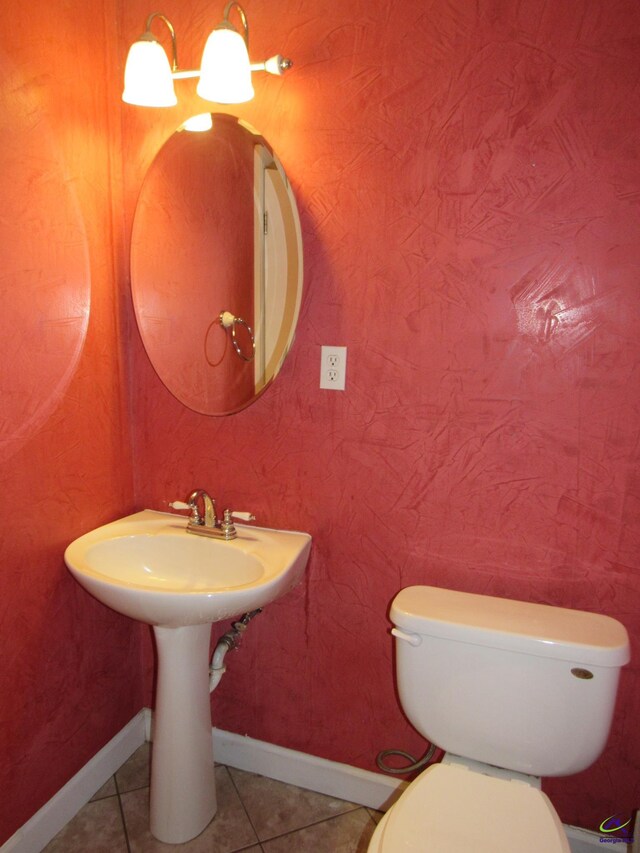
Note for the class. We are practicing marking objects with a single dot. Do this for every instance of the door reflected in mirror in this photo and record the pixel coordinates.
(216, 232)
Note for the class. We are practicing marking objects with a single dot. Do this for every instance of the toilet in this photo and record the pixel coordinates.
(512, 691)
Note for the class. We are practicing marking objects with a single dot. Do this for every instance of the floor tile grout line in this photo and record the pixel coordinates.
(244, 808)
(353, 807)
(122, 816)
(318, 823)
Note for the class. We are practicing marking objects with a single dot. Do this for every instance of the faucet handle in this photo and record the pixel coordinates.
(228, 528)
(192, 506)
(179, 505)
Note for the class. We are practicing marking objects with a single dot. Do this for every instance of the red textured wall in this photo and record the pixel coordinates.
(468, 182)
(69, 667)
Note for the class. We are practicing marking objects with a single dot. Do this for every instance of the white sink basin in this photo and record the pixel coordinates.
(148, 567)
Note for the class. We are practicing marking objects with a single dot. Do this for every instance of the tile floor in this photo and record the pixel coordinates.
(254, 814)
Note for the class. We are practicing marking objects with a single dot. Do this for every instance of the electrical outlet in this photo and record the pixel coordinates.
(333, 368)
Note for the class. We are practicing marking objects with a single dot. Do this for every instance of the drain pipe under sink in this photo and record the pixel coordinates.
(230, 640)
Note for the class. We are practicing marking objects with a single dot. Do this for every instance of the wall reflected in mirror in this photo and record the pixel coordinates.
(216, 231)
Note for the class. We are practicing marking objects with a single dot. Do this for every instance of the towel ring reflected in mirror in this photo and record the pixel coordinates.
(229, 321)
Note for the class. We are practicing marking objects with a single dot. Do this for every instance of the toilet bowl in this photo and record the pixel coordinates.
(450, 809)
(512, 691)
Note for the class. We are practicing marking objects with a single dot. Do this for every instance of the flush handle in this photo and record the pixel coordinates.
(412, 639)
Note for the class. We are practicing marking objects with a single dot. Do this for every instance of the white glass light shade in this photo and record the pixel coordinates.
(147, 76)
(225, 75)
(198, 124)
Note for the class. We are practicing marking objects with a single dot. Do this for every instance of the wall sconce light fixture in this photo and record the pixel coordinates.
(225, 72)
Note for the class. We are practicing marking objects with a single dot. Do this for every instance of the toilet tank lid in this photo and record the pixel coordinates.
(520, 626)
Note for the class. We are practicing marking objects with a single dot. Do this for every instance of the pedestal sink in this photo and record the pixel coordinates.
(148, 567)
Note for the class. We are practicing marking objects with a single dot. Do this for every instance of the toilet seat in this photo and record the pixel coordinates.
(451, 809)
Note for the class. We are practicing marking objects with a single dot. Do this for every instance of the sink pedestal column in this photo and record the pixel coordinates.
(183, 794)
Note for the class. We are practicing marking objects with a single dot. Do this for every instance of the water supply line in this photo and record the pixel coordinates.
(408, 768)
(230, 640)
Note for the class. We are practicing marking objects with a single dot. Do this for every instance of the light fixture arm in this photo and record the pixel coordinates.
(148, 36)
(243, 19)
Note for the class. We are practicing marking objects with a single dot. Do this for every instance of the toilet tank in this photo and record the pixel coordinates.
(523, 686)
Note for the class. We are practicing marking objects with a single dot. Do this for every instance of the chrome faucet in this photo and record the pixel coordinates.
(207, 523)
(210, 517)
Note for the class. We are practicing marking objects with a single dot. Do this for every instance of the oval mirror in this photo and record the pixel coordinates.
(216, 265)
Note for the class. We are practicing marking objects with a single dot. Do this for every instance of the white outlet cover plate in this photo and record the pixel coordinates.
(333, 368)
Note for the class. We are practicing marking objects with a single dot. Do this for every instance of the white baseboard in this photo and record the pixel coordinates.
(306, 771)
(46, 823)
(148, 724)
